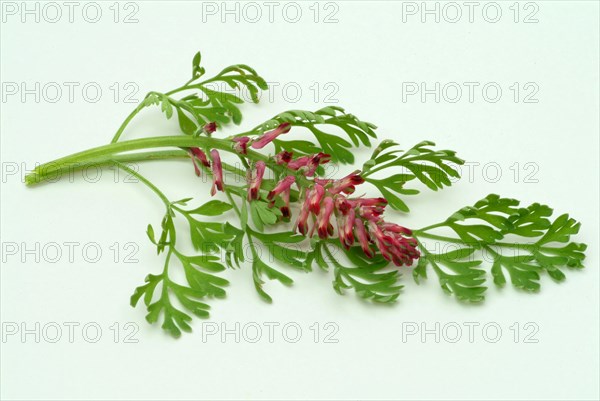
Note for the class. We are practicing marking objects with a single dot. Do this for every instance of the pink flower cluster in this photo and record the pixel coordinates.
(357, 219)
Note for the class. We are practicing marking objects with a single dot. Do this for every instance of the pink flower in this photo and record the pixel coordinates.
(310, 162)
(256, 182)
(341, 221)
(342, 204)
(217, 170)
(395, 228)
(347, 183)
(196, 168)
(298, 163)
(363, 237)
(210, 128)
(283, 185)
(369, 202)
(285, 209)
(321, 158)
(325, 228)
(315, 198)
(241, 144)
(380, 239)
(345, 228)
(347, 235)
(315, 161)
(403, 250)
(393, 245)
(268, 137)
(370, 214)
(197, 153)
(302, 221)
(201, 156)
(283, 157)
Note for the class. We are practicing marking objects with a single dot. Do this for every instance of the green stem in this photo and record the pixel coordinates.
(373, 171)
(128, 120)
(140, 106)
(419, 233)
(431, 227)
(145, 181)
(235, 206)
(165, 276)
(105, 154)
(181, 88)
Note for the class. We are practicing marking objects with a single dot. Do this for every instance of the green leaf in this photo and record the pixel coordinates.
(208, 236)
(298, 147)
(166, 106)
(420, 271)
(258, 269)
(197, 70)
(187, 126)
(394, 183)
(486, 226)
(174, 320)
(234, 248)
(432, 167)
(212, 208)
(367, 276)
(205, 284)
(263, 214)
(150, 233)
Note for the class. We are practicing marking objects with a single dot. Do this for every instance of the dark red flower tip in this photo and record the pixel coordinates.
(321, 158)
(356, 180)
(283, 157)
(210, 128)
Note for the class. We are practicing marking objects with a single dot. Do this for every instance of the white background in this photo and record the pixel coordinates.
(367, 54)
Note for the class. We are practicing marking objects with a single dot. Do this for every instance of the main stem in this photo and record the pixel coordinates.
(107, 153)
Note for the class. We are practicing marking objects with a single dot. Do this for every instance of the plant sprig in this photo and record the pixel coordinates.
(326, 224)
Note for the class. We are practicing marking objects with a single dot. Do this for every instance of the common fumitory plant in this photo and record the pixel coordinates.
(326, 221)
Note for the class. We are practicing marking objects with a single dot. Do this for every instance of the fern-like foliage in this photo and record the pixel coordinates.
(206, 104)
(318, 124)
(434, 168)
(522, 242)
